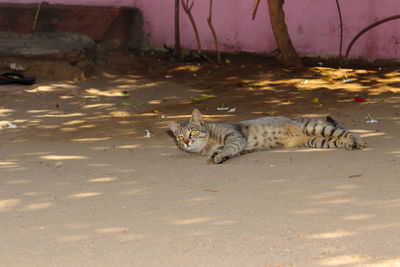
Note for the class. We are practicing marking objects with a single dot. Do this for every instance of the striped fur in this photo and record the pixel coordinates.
(221, 141)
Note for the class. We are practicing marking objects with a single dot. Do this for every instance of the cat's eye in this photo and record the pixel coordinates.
(193, 132)
(181, 137)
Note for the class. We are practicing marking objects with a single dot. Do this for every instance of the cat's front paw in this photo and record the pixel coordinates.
(217, 158)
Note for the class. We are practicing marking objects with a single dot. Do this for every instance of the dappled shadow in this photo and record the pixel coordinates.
(79, 178)
(96, 110)
(140, 97)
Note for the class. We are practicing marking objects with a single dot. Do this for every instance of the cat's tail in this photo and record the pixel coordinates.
(334, 123)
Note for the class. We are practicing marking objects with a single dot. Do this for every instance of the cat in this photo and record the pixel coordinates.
(221, 141)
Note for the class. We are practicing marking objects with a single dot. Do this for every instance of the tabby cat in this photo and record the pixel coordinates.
(221, 141)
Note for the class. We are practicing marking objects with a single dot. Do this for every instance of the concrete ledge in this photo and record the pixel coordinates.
(106, 25)
(65, 40)
(66, 46)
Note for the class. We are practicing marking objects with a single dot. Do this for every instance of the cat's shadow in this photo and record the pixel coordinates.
(171, 134)
(173, 137)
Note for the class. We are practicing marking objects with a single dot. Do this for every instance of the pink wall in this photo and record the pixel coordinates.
(313, 24)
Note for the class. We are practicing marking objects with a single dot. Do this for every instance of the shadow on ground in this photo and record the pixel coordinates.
(80, 182)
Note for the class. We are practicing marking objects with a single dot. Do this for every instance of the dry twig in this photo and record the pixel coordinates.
(36, 16)
(188, 11)
(177, 51)
(209, 20)
(255, 8)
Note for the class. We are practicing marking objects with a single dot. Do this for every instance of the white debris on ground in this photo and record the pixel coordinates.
(228, 109)
(147, 134)
(304, 82)
(17, 67)
(370, 119)
(11, 126)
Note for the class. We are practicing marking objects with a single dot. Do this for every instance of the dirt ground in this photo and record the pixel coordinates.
(81, 186)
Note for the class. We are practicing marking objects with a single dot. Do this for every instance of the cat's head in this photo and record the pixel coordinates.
(192, 136)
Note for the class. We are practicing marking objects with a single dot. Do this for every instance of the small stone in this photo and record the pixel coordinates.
(58, 164)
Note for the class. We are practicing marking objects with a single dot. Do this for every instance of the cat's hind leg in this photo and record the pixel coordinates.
(325, 130)
(360, 142)
(351, 140)
(322, 142)
(331, 142)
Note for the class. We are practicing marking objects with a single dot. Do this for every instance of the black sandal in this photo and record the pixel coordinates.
(16, 78)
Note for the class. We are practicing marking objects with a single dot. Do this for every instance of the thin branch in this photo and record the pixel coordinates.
(369, 27)
(341, 28)
(192, 21)
(255, 8)
(209, 20)
(177, 51)
(36, 16)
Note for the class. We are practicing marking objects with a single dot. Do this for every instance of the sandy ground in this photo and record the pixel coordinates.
(81, 186)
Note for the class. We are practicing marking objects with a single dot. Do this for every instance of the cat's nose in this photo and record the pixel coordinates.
(186, 142)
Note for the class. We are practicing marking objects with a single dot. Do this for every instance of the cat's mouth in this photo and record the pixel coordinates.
(190, 147)
(187, 146)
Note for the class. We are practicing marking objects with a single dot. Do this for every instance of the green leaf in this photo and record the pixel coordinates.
(202, 98)
(327, 78)
(127, 104)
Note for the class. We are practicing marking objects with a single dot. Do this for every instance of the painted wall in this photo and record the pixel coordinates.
(313, 24)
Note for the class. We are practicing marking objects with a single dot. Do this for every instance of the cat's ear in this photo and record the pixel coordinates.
(174, 126)
(196, 118)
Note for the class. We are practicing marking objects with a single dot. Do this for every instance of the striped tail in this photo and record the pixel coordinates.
(333, 122)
